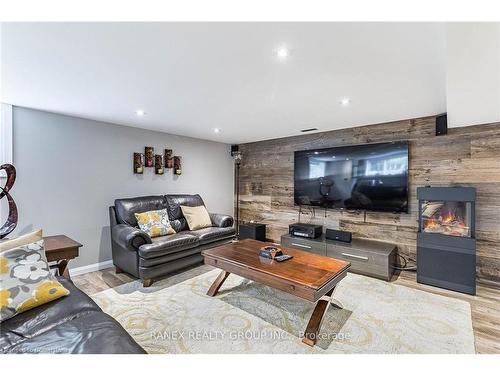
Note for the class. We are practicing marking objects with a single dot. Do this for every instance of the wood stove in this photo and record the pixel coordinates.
(446, 244)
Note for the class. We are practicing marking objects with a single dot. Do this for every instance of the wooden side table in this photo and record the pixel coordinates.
(61, 249)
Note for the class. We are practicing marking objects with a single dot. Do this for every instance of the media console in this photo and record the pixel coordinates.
(367, 257)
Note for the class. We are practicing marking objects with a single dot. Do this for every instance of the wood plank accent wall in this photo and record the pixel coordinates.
(468, 156)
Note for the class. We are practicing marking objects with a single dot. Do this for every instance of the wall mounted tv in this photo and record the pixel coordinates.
(370, 177)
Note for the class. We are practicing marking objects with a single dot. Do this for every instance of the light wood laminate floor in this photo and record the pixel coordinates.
(485, 305)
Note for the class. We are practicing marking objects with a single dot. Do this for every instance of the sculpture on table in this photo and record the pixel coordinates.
(11, 222)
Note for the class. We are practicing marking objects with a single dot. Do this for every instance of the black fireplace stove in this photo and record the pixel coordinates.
(446, 243)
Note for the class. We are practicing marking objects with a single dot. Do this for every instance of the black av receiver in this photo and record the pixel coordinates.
(305, 230)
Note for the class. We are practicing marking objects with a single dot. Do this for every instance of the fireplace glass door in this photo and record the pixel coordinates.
(446, 217)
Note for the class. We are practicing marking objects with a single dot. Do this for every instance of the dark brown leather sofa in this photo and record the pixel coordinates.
(69, 325)
(148, 258)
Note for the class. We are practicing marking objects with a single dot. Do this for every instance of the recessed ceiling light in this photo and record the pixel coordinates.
(345, 101)
(282, 53)
(140, 112)
(216, 130)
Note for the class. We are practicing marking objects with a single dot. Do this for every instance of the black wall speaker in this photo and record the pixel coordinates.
(253, 231)
(234, 148)
(441, 124)
(338, 235)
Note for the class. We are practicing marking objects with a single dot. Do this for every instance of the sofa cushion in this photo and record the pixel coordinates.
(73, 324)
(196, 217)
(212, 234)
(164, 259)
(91, 333)
(152, 272)
(25, 239)
(44, 317)
(175, 201)
(155, 223)
(168, 244)
(126, 208)
(25, 279)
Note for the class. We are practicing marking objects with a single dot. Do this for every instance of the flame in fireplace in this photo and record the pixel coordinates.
(431, 224)
(448, 223)
(450, 218)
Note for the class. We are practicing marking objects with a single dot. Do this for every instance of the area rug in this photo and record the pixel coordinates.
(247, 317)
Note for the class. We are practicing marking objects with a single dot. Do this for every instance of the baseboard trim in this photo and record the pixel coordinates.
(91, 268)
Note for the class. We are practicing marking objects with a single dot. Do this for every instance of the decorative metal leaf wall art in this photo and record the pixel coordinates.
(149, 155)
(169, 159)
(138, 163)
(158, 164)
(177, 165)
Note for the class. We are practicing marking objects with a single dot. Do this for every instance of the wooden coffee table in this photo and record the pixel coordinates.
(308, 276)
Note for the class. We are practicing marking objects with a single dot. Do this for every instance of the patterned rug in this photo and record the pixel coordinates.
(247, 317)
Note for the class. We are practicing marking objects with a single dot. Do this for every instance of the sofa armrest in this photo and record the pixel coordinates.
(129, 237)
(221, 220)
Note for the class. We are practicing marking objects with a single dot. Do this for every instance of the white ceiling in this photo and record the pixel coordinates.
(193, 77)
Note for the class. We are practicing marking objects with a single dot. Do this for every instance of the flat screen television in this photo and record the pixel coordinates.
(370, 177)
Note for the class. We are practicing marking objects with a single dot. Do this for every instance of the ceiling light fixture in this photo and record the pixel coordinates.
(216, 130)
(140, 112)
(345, 101)
(282, 53)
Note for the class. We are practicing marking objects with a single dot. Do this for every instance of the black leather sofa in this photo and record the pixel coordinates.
(148, 258)
(71, 324)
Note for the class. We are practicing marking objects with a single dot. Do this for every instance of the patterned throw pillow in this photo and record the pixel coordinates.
(155, 223)
(25, 279)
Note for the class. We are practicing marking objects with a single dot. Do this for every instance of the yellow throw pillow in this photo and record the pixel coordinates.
(155, 223)
(196, 217)
(25, 278)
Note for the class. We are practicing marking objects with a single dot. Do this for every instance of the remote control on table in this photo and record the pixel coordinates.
(282, 258)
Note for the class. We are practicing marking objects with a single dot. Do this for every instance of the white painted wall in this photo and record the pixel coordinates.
(1, 62)
(473, 73)
(5, 152)
(5, 135)
(69, 170)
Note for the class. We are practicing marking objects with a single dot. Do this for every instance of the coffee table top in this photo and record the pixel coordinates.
(307, 269)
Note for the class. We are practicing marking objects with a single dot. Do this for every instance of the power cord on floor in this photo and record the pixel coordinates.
(405, 267)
